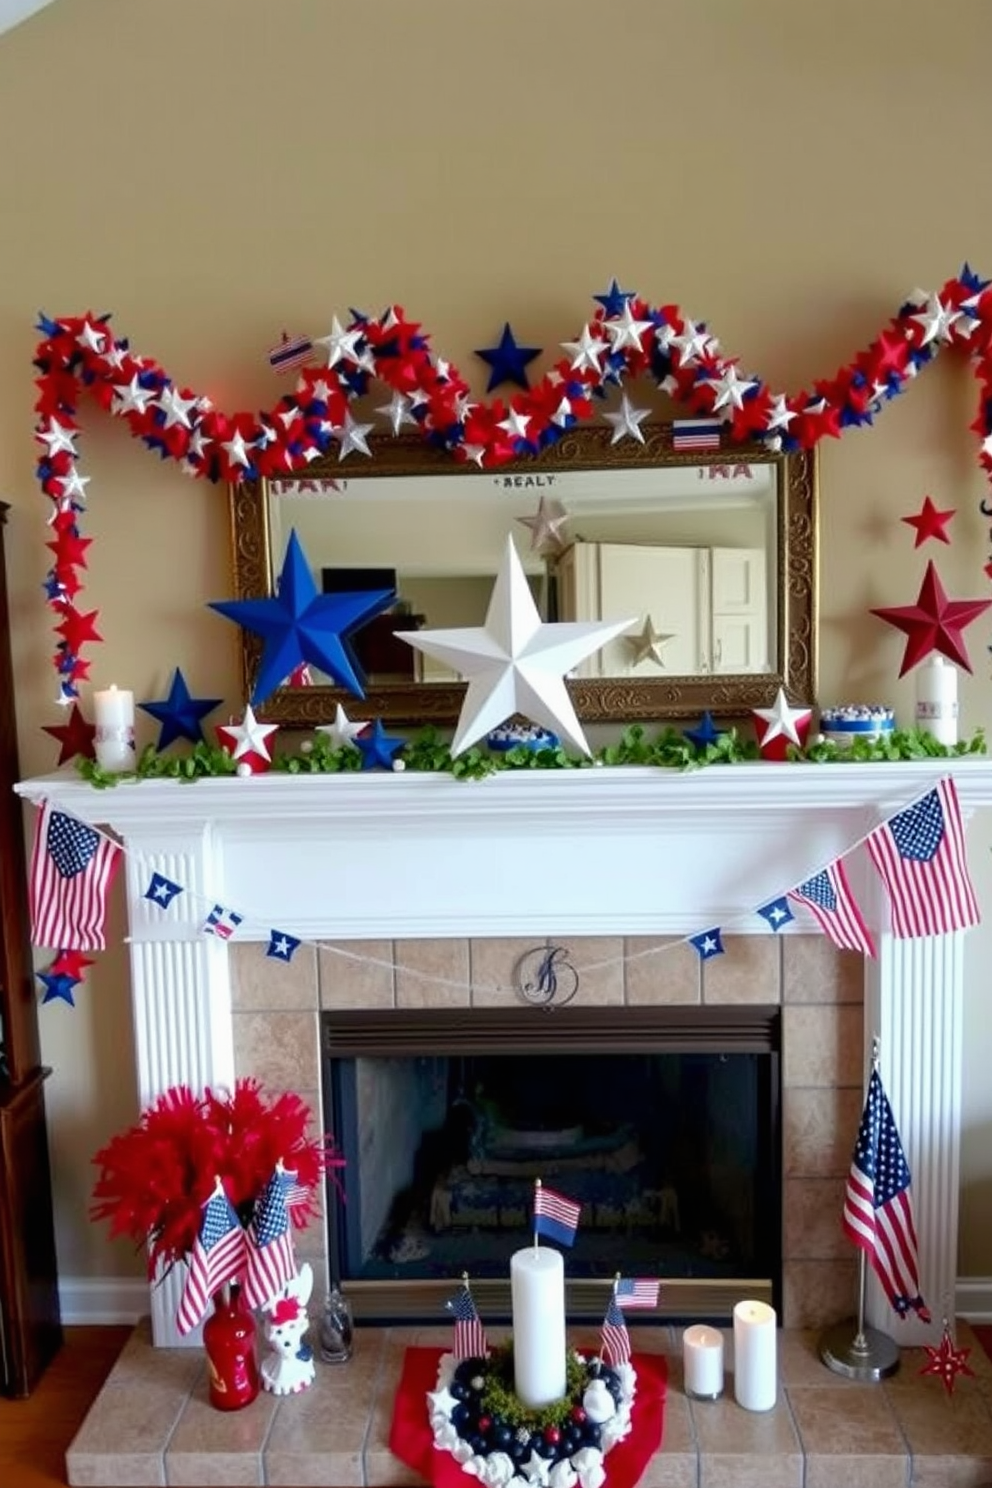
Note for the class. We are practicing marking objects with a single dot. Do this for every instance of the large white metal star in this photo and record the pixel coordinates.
(516, 663)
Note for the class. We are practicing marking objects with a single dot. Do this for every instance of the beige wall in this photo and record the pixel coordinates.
(215, 170)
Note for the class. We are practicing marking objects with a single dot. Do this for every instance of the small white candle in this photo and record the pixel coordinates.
(113, 715)
(937, 699)
(702, 1361)
(755, 1367)
(537, 1289)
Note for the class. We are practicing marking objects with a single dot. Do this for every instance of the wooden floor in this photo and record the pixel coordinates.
(34, 1433)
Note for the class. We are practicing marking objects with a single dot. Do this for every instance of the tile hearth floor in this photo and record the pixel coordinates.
(152, 1424)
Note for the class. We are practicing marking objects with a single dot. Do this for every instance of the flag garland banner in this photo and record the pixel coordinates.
(921, 857)
(162, 890)
(72, 868)
(828, 895)
(222, 922)
(555, 1216)
(217, 1257)
(633, 1292)
(878, 1204)
(470, 1336)
(270, 1261)
(697, 434)
(615, 1340)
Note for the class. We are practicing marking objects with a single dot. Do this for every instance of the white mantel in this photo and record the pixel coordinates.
(584, 852)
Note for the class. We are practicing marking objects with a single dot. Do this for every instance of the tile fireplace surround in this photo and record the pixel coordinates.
(422, 892)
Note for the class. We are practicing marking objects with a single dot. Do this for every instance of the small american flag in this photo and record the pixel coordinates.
(697, 434)
(72, 868)
(470, 1335)
(555, 1216)
(920, 854)
(289, 352)
(615, 1338)
(222, 922)
(634, 1292)
(218, 1256)
(878, 1206)
(270, 1259)
(828, 895)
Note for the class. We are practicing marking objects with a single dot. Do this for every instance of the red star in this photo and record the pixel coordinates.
(75, 737)
(934, 623)
(947, 1361)
(78, 629)
(70, 964)
(929, 522)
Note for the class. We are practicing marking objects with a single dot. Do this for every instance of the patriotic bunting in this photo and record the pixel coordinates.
(162, 890)
(708, 944)
(828, 895)
(920, 854)
(222, 922)
(72, 868)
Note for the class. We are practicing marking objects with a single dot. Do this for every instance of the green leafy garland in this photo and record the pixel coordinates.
(428, 753)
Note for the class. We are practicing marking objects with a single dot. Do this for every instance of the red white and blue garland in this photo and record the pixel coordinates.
(626, 338)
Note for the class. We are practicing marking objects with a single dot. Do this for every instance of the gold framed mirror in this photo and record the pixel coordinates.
(714, 551)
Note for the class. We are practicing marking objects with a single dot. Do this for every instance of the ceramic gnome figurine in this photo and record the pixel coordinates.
(288, 1367)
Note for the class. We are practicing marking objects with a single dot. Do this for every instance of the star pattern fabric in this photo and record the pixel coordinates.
(934, 623)
(928, 523)
(516, 663)
(180, 714)
(298, 624)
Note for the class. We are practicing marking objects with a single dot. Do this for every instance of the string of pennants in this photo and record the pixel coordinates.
(919, 853)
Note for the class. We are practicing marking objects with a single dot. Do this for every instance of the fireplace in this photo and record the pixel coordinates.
(412, 892)
(663, 1123)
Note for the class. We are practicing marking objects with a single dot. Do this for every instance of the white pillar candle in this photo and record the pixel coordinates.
(113, 715)
(537, 1289)
(937, 699)
(755, 1368)
(702, 1361)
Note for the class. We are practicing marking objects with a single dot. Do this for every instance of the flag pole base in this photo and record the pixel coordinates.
(868, 1355)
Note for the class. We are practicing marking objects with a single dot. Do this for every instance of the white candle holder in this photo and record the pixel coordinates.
(937, 699)
(702, 1362)
(755, 1356)
(113, 740)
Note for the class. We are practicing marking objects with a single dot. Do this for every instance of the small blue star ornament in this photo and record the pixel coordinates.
(615, 299)
(708, 944)
(58, 985)
(705, 732)
(508, 361)
(180, 714)
(777, 913)
(299, 624)
(378, 749)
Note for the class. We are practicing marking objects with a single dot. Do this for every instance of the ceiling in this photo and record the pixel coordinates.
(12, 12)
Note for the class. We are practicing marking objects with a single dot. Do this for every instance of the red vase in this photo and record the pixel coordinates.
(229, 1342)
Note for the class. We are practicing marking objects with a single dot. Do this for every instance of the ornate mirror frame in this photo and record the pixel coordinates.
(603, 700)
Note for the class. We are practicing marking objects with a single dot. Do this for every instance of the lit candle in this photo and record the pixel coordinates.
(113, 715)
(937, 699)
(537, 1289)
(755, 1369)
(702, 1361)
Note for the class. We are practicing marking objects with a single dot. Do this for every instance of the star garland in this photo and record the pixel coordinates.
(626, 338)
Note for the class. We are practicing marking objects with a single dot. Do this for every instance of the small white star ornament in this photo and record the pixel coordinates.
(248, 743)
(780, 726)
(648, 644)
(516, 663)
(548, 525)
(343, 731)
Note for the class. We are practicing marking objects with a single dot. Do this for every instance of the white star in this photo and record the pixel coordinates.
(474, 453)
(729, 388)
(783, 720)
(647, 645)
(237, 450)
(340, 343)
(936, 319)
(266, 436)
(342, 731)
(280, 946)
(586, 352)
(442, 1402)
(57, 438)
(91, 337)
(353, 437)
(132, 397)
(777, 913)
(780, 416)
(175, 407)
(691, 343)
(74, 485)
(709, 945)
(536, 1469)
(625, 330)
(248, 737)
(198, 443)
(627, 421)
(320, 390)
(115, 357)
(516, 663)
(547, 526)
(397, 410)
(515, 424)
(562, 414)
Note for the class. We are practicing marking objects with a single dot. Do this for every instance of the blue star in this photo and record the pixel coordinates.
(708, 944)
(281, 945)
(614, 299)
(58, 985)
(378, 747)
(179, 714)
(162, 890)
(705, 732)
(777, 913)
(508, 361)
(300, 625)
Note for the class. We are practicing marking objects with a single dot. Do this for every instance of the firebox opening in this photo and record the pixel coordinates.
(662, 1127)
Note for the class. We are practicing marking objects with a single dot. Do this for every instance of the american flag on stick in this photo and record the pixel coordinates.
(920, 854)
(828, 895)
(289, 352)
(878, 1206)
(470, 1335)
(271, 1262)
(696, 434)
(634, 1292)
(72, 868)
(615, 1340)
(554, 1215)
(217, 1257)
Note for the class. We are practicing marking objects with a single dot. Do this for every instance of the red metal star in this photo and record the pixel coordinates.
(929, 522)
(934, 623)
(75, 737)
(947, 1361)
(70, 964)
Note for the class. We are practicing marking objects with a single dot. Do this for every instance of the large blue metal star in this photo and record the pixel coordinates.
(179, 714)
(298, 624)
(508, 361)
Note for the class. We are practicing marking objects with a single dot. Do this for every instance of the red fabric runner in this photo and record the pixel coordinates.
(411, 1439)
